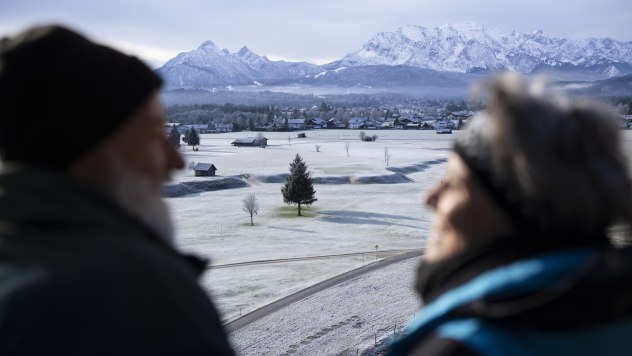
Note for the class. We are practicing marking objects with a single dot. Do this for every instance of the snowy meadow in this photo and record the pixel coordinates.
(368, 211)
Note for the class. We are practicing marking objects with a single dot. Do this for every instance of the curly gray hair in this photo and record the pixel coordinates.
(552, 164)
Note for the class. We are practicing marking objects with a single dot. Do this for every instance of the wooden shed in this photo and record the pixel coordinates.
(250, 141)
(204, 169)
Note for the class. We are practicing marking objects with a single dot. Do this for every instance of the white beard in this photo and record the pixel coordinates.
(142, 197)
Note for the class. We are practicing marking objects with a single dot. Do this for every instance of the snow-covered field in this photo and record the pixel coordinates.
(346, 319)
(347, 218)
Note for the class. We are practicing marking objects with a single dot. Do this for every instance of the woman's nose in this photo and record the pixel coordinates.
(432, 196)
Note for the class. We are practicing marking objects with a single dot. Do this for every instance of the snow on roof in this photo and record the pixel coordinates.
(244, 140)
(204, 166)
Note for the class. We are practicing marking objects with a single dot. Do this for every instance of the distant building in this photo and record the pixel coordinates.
(443, 124)
(222, 128)
(250, 142)
(426, 126)
(296, 124)
(371, 124)
(356, 122)
(315, 123)
(335, 124)
(204, 169)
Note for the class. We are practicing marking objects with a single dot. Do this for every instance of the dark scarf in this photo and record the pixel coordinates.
(600, 291)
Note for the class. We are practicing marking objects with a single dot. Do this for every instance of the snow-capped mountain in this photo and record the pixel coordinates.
(412, 56)
(467, 47)
(208, 67)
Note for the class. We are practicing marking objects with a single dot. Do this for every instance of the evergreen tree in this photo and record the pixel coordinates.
(174, 136)
(192, 137)
(298, 187)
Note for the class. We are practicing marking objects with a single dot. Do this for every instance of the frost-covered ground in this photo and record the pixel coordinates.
(343, 320)
(347, 218)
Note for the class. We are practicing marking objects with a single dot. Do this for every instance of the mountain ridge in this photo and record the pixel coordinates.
(413, 55)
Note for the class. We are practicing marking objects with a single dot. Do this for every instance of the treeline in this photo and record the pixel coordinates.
(227, 108)
(228, 113)
(246, 116)
(250, 116)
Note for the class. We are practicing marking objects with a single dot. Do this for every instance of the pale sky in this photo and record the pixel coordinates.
(316, 31)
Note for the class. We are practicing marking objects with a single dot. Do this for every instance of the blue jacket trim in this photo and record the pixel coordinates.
(541, 272)
(607, 339)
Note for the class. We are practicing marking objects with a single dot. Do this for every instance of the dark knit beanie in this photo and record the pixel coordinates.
(61, 95)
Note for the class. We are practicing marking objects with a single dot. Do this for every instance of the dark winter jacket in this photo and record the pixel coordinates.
(79, 276)
(520, 296)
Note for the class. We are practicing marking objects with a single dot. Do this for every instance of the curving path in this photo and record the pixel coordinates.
(284, 302)
(382, 254)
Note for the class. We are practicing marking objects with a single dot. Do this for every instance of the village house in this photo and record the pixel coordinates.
(315, 123)
(372, 124)
(425, 125)
(356, 123)
(412, 126)
(388, 124)
(443, 124)
(335, 124)
(223, 128)
(296, 124)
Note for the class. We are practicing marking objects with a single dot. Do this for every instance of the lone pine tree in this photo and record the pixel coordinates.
(298, 187)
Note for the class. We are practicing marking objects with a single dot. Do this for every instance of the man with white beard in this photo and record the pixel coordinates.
(87, 265)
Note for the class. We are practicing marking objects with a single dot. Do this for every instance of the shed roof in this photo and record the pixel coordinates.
(245, 140)
(204, 166)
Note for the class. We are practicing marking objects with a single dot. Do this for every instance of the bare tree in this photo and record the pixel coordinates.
(317, 148)
(387, 156)
(374, 137)
(362, 135)
(347, 148)
(251, 206)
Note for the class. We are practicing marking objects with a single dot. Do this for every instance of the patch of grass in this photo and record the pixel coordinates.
(290, 211)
